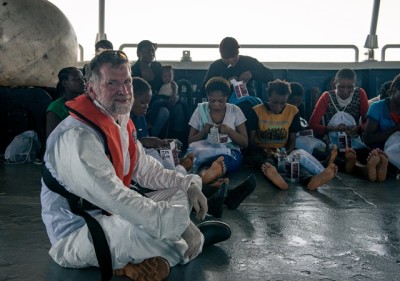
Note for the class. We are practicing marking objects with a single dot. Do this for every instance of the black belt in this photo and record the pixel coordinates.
(77, 206)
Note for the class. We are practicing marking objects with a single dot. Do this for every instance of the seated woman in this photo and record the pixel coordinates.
(165, 120)
(343, 112)
(217, 128)
(149, 69)
(274, 125)
(217, 191)
(305, 137)
(142, 97)
(382, 94)
(382, 129)
(70, 85)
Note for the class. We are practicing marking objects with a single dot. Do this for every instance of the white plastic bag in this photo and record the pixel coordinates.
(24, 148)
(345, 118)
(392, 149)
(307, 161)
(204, 151)
(309, 143)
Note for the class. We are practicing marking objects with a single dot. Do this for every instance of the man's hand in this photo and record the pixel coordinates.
(198, 200)
(192, 236)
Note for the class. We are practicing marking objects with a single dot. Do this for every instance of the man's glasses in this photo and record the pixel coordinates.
(109, 56)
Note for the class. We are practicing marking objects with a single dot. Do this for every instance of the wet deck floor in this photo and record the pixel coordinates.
(349, 230)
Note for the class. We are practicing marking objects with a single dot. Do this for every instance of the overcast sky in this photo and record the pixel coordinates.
(250, 22)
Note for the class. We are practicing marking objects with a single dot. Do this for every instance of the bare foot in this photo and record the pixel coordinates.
(217, 183)
(325, 176)
(155, 269)
(351, 159)
(216, 171)
(272, 174)
(333, 155)
(381, 169)
(187, 161)
(372, 163)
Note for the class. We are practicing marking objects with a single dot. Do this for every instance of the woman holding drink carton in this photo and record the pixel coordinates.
(217, 133)
(273, 126)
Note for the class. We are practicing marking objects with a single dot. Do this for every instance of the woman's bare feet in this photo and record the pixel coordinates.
(187, 161)
(381, 169)
(333, 155)
(372, 163)
(272, 174)
(322, 178)
(351, 159)
(216, 171)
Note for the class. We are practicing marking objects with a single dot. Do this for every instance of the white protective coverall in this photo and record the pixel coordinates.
(139, 228)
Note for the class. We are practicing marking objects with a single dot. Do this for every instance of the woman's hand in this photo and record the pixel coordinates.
(224, 129)
(153, 142)
(206, 128)
(352, 131)
(270, 152)
(172, 101)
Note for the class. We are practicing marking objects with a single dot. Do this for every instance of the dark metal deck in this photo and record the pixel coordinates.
(349, 230)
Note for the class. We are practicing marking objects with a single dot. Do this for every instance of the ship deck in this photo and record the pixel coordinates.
(347, 230)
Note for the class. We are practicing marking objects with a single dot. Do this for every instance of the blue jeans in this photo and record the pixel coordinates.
(232, 162)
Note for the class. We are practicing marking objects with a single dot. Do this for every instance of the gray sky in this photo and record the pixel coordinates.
(250, 22)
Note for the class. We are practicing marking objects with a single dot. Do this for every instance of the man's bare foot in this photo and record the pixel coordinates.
(322, 178)
(272, 174)
(381, 169)
(153, 269)
(372, 163)
(216, 171)
(333, 155)
(187, 161)
(351, 159)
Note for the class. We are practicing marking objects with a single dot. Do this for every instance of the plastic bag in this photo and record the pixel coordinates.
(345, 118)
(309, 143)
(392, 149)
(307, 161)
(204, 151)
(24, 148)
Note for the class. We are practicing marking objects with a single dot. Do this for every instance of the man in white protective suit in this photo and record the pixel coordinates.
(91, 215)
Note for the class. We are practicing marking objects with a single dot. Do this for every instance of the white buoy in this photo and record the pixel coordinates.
(36, 41)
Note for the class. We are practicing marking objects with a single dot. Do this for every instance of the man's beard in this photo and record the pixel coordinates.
(116, 108)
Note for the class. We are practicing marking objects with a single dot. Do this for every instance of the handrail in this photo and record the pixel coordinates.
(388, 46)
(80, 52)
(257, 46)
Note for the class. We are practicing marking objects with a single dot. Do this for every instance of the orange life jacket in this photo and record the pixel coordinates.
(83, 109)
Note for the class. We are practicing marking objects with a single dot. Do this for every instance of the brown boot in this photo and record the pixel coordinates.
(153, 269)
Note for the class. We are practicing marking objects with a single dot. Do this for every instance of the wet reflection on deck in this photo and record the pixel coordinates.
(347, 230)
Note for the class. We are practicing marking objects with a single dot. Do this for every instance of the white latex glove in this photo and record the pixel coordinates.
(198, 200)
(192, 236)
